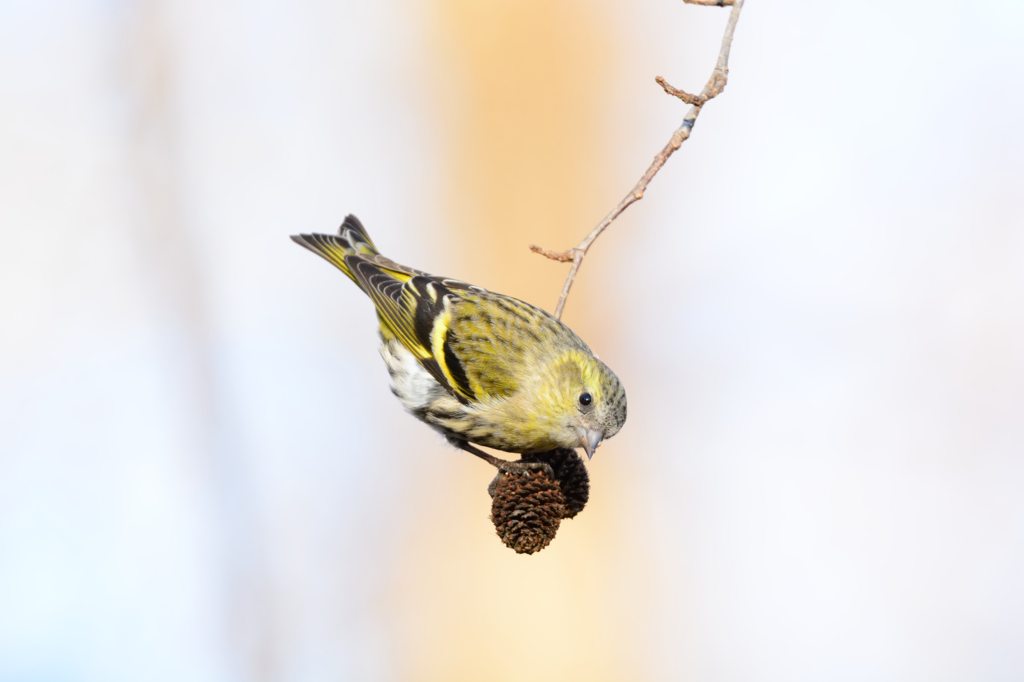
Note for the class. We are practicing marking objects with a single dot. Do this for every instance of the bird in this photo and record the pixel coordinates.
(479, 367)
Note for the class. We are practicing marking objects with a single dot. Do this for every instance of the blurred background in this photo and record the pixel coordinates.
(817, 310)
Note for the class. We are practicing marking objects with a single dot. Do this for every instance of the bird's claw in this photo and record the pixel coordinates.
(506, 468)
(524, 468)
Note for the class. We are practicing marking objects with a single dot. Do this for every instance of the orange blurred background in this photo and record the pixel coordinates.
(817, 311)
(521, 125)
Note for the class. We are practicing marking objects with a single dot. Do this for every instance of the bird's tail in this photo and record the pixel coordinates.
(351, 240)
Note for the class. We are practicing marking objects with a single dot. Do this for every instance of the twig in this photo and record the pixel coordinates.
(560, 256)
(713, 88)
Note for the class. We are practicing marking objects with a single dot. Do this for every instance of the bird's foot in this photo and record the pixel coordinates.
(523, 468)
(506, 467)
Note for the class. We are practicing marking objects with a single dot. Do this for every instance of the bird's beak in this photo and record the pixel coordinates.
(590, 438)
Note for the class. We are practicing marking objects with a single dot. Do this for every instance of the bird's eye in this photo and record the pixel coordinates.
(586, 399)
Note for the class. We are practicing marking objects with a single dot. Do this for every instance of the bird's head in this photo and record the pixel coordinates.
(585, 400)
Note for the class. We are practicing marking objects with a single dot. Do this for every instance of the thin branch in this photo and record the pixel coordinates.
(713, 88)
(560, 256)
(695, 100)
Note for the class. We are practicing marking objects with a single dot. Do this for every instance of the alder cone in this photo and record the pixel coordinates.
(526, 510)
(571, 474)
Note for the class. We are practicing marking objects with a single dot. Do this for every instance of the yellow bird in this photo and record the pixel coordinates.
(479, 367)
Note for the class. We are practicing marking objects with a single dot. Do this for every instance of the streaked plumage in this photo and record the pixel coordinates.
(479, 367)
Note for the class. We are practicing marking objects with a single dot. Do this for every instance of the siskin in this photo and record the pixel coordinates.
(477, 366)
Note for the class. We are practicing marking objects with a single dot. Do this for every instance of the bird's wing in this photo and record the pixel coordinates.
(418, 312)
(470, 340)
(499, 339)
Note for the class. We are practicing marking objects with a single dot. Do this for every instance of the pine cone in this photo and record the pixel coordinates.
(526, 510)
(571, 474)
